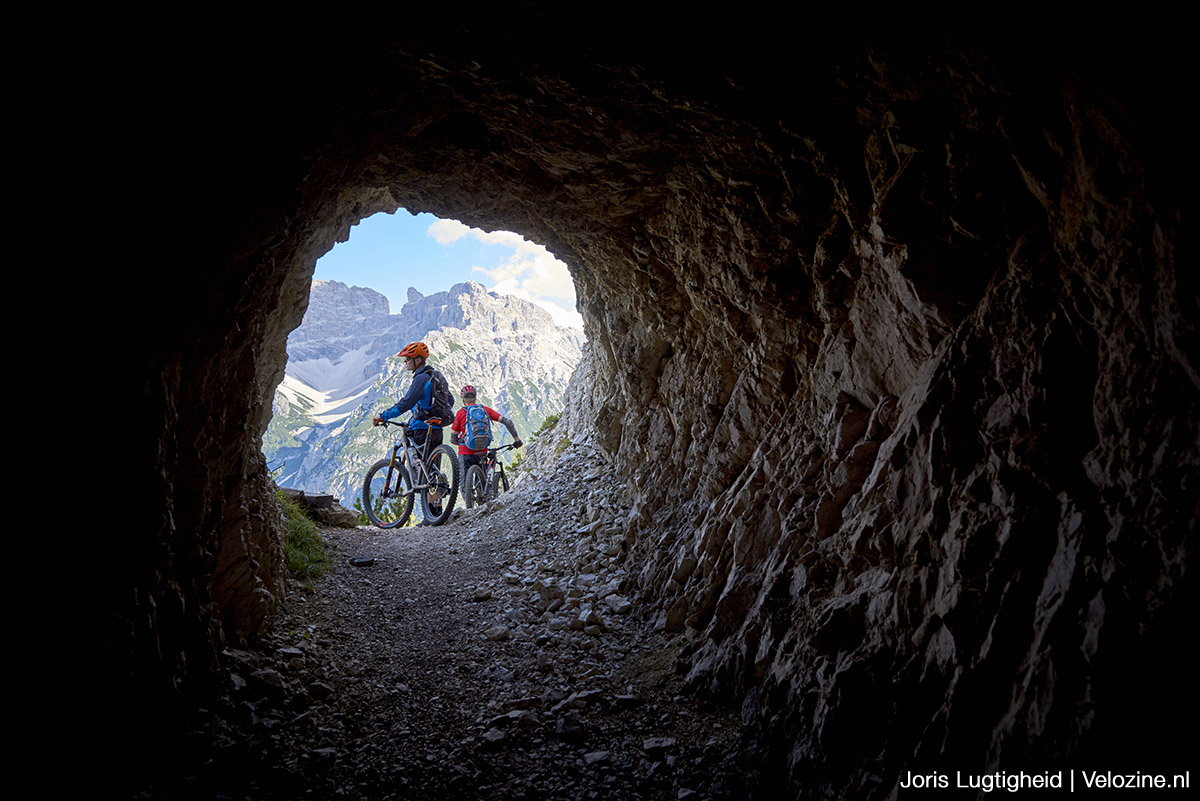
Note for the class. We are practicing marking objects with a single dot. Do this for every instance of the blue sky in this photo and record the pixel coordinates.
(391, 252)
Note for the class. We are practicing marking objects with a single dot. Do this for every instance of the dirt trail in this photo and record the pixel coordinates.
(493, 657)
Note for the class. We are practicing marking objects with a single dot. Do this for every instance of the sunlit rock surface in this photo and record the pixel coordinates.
(900, 359)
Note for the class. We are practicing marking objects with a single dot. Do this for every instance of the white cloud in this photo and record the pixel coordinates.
(445, 232)
(529, 271)
(564, 317)
(561, 313)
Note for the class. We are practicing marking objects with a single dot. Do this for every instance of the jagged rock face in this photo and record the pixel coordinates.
(346, 317)
(910, 343)
(342, 373)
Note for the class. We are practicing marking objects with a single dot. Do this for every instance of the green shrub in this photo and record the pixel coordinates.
(548, 424)
(362, 516)
(303, 548)
(363, 520)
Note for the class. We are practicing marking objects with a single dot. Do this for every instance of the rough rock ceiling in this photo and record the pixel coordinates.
(907, 321)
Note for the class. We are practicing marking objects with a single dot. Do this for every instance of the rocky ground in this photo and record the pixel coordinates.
(497, 656)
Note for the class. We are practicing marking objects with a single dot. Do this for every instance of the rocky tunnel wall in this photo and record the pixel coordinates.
(910, 338)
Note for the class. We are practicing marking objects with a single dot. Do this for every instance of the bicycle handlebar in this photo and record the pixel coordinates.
(433, 421)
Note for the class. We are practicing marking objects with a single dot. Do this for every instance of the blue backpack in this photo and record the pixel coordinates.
(478, 427)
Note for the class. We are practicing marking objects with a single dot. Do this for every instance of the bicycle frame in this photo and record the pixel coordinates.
(409, 455)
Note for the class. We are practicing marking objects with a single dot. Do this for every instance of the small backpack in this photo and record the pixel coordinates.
(478, 427)
(441, 400)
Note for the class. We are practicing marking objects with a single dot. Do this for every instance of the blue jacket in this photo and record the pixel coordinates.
(419, 396)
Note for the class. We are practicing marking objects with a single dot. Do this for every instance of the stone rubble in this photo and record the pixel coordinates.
(497, 656)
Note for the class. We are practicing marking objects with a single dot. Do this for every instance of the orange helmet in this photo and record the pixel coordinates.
(416, 349)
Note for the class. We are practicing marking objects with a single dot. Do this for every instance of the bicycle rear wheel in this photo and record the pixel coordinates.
(444, 474)
(387, 501)
(474, 486)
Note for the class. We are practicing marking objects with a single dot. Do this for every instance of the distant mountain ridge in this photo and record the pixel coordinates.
(341, 372)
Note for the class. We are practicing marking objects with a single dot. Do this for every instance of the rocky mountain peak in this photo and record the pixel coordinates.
(471, 303)
(333, 299)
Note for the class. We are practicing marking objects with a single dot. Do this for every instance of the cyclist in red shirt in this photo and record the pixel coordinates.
(458, 429)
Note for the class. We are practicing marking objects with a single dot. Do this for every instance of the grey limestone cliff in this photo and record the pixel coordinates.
(341, 372)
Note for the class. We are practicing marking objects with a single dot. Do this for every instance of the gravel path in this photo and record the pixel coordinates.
(493, 657)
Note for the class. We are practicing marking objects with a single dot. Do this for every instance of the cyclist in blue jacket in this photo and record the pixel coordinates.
(428, 398)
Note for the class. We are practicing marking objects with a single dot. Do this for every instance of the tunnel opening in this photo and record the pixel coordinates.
(674, 203)
(497, 311)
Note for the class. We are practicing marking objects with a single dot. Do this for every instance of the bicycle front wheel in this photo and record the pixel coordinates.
(444, 474)
(499, 484)
(474, 486)
(387, 496)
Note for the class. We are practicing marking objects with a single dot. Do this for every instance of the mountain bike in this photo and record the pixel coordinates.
(432, 473)
(487, 480)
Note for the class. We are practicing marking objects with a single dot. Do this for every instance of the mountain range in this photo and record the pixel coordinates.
(342, 371)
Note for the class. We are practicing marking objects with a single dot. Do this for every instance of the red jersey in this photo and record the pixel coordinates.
(460, 424)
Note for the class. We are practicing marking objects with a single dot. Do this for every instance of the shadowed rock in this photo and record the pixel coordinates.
(900, 364)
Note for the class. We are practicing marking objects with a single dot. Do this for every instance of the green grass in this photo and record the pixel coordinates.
(303, 547)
